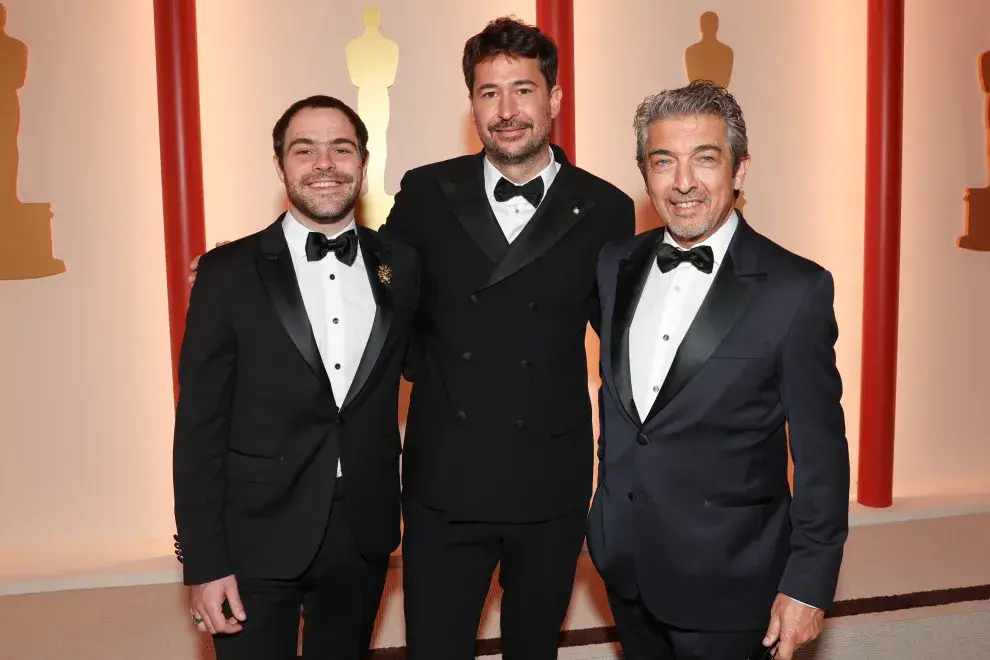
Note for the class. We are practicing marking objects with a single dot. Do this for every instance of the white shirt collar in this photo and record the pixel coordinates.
(492, 175)
(719, 241)
(296, 234)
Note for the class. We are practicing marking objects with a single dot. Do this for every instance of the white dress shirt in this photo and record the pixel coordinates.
(514, 214)
(665, 311)
(340, 305)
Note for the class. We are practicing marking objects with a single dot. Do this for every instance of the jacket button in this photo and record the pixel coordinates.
(474, 297)
(532, 306)
(466, 356)
(631, 497)
(642, 439)
(340, 421)
(520, 424)
(461, 415)
(524, 364)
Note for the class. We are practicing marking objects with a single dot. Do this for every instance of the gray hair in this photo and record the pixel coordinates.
(701, 97)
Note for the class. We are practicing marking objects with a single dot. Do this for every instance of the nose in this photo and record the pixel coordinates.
(507, 108)
(685, 179)
(323, 161)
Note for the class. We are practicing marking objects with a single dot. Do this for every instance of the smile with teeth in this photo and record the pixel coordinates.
(324, 184)
(686, 205)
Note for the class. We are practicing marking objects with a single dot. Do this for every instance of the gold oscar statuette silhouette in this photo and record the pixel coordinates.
(977, 235)
(25, 229)
(372, 61)
(710, 59)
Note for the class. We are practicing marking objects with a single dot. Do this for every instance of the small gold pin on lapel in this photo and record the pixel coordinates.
(576, 210)
(384, 274)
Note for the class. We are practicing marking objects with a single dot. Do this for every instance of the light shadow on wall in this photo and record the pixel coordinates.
(647, 217)
(25, 229)
(977, 236)
(471, 143)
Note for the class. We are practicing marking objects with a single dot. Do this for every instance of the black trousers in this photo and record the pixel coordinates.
(339, 593)
(447, 571)
(645, 638)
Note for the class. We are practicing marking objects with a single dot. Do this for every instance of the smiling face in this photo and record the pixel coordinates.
(321, 166)
(689, 175)
(513, 109)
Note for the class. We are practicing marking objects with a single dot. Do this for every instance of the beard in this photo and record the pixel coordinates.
(689, 229)
(315, 207)
(528, 152)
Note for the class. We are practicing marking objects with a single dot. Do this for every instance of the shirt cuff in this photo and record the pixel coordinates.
(805, 604)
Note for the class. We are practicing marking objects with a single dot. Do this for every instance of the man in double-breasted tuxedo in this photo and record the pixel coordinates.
(286, 450)
(715, 341)
(498, 456)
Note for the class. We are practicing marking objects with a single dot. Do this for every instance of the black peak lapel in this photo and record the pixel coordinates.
(562, 208)
(278, 277)
(736, 284)
(633, 273)
(467, 200)
(375, 254)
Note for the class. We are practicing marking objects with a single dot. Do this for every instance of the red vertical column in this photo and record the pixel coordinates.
(181, 156)
(884, 133)
(556, 19)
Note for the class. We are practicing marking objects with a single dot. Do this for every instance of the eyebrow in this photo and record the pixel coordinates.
(697, 150)
(515, 83)
(313, 143)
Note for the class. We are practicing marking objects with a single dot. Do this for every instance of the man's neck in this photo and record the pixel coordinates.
(327, 229)
(519, 173)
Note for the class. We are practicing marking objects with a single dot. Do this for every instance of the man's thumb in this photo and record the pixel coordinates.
(234, 599)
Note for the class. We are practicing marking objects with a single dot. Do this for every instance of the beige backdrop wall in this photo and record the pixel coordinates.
(85, 378)
(943, 412)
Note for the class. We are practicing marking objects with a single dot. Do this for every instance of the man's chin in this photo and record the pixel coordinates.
(326, 215)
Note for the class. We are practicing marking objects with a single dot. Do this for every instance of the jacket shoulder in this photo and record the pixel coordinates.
(777, 257)
(442, 169)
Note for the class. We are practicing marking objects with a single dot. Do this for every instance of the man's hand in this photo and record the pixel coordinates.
(794, 624)
(207, 600)
(194, 264)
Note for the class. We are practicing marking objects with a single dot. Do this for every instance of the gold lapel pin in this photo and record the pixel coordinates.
(384, 274)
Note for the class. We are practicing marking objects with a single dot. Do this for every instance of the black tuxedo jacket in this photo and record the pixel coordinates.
(499, 425)
(257, 429)
(693, 510)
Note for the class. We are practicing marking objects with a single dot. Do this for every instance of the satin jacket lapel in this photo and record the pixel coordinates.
(375, 255)
(632, 276)
(561, 209)
(279, 279)
(470, 206)
(736, 284)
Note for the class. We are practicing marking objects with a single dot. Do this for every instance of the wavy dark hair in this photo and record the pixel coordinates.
(510, 37)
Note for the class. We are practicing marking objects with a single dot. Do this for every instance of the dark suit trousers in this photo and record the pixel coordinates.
(339, 593)
(645, 638)
(447, 571)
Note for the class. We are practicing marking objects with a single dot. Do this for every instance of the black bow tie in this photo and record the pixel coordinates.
(668, 257)
(344, 246)
(532, 192)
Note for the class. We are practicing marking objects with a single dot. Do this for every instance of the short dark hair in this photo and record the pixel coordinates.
(319, 101)
(510, 37)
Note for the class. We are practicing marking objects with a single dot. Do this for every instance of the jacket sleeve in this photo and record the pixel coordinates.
(401, 224)
(811, 390)
(622, 227)
(207, 366)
